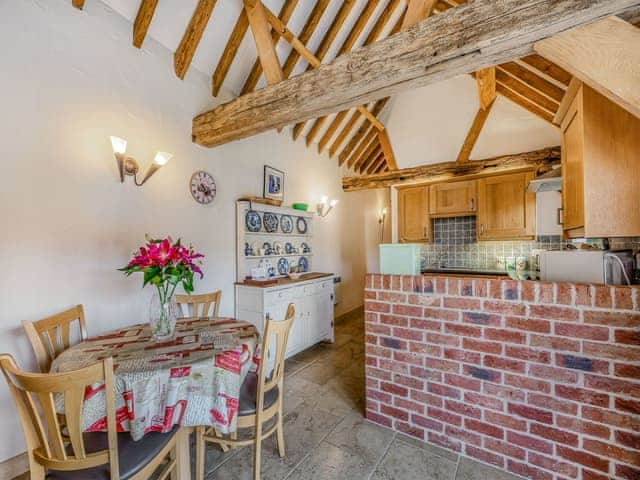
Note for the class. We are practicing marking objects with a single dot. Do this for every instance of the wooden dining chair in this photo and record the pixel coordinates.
(200, 305)
(260, 400)
(51, 336)
(83, 456)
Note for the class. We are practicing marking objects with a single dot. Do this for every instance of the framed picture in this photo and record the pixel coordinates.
(273, 183)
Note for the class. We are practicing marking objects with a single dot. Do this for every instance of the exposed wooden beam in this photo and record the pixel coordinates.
(385, 143)
(604, 55)
(370, 160)
(364, 156)
(290, 63)
(524, 103)
(417, 11)
(572, 91)
(369, 137)
(264, 44)
(537, 82)
(192, 36)
(376, 163)
(143, 20)
(229, 52)
(474, 132)
(79, 4)
(344, 133)
(540, 159)
(330, 132)
(486, 82)
(361, 132)
(524, 90)
(478, 34)
(542, 66)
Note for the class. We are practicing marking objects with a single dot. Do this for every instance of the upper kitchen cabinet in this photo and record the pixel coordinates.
(506, 210)
(413, 215)
(453, 199)
(600, 164)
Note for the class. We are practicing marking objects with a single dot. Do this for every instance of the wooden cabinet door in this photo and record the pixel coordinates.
(505, 209)
(413, 215)
(573, 168)
(453, 199)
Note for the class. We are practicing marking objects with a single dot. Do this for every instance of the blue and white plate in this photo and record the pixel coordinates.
(301, 225)
(286, 224)
(283, 266)
(303, 264)
(288, 248)
(305, 247)
(252, 221)
(270, 222)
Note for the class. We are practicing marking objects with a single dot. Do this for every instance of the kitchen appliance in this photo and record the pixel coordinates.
(547, 182)
(580, 266)
(400, 258)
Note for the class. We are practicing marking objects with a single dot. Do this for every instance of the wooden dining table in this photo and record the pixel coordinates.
(192, 380)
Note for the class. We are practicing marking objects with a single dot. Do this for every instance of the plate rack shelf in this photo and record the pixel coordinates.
(248, 242)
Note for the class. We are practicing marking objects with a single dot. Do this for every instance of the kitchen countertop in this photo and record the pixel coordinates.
(463, 271)
(287, 281)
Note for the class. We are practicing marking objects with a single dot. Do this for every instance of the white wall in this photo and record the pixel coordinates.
(69, 80)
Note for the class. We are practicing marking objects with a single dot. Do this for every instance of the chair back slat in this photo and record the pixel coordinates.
(280, 330)
(35, 395)
(51, 336)
(200, 305)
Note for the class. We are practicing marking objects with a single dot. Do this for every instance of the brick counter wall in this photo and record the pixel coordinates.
(539, 379)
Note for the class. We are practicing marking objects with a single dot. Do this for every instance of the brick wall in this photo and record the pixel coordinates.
(539, 379)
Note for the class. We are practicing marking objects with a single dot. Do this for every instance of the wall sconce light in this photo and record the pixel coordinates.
(127, 166)
(382, 215)
(325, 206)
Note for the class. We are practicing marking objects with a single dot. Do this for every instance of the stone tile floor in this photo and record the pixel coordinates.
(327, 436)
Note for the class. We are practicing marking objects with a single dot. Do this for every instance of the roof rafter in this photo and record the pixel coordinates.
(192, 36)
(143, 20)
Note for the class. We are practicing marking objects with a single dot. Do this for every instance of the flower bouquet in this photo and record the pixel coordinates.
(165, 265)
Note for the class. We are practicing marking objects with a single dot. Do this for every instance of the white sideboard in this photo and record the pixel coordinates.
(313, 300)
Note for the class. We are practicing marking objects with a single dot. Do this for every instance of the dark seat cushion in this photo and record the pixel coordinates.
(133, 456)
(249, 395)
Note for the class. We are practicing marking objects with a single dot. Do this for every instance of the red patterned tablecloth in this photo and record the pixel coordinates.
(192, 380)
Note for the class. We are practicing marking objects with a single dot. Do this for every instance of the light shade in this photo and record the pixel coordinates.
(333, 203)
(118, 144)
(162, 158)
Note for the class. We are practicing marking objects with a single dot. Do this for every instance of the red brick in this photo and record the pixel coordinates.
(481, 346)
(619, 387)
(407, 334)
(627, 473)
(583, 295)
(581, 331)
(484, 456)
(392, 297)
(608, 450)
(371, 339)
(480, 318)
(444, 365)
(585, 364)
(441, 314)
(591, 475)
(552, 403)
(428, 349)
(582, 426)
(507, 421)
(426, 324)
(379, 396)
(628, 439)
(371, 361)
(623, 298)
(379, 419)
(549, 312)
(504, 308)
(411, 358)
(461, 355)
(553, 464)
(410, 430)
(528, 471)
(602, 296)
(371, 306)
(501, 335)
(484, 428)
(528, 324)
(553, 343)
(480, 287)
(510, 290)
(623, 370)
(529, 354)
(394, 412)
(408, 405)
(528, 383)
(441, 339)
(376, 329)
(464, 330)
(615, 419)
(444, 416)
(558, 436)
(377, 351)
(396, 282)
(530, 443)
(370, 295)
(482, 373)
(502, 363)
(393, 366)
(372, 405)
(514, 394)
(463, 434)
(583, 396)
(531, 413)
(444, 441)
(408, 283)
(393, 343)
(370, 317)
(427, 285)
(552, 373)
(614, 352)
(394, 320)
(462, 382)
(612, 319)
(545, 292)
(407, 310)
(483, 401)
(495, 288)
(427, 398)
(629, 337)
(426, 373)
(443, 390)
(528, 291)
(564, 293)
(504, 448)
(427, 423)
(410, 382)
(463, 409)
(453, 286)
(424, 300)
(632, 406)
(394, 389)
(461, 303)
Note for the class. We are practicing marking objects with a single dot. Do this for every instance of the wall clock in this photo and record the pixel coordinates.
(203, 187)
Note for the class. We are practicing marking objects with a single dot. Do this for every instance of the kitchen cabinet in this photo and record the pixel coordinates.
(600, 163)
(454, 199)
(506, 210)
(413, 214)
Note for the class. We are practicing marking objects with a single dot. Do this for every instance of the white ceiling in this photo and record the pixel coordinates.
(426, 125)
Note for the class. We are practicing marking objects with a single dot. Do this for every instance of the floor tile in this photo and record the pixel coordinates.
(331, 462)
(407, 462)
(361, 438)
(472, 470)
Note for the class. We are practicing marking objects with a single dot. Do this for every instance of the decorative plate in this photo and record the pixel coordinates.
(283, 266)
(301, 225)
(286, 224)
(305, 248)
(288, 248)
(303, 264)
(267, 248)
(270, 222)
(252, 221)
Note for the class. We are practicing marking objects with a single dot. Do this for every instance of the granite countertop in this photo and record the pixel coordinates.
(463, 271)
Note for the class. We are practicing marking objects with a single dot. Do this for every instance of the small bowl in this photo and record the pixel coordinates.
(295, 275)
(301, 206)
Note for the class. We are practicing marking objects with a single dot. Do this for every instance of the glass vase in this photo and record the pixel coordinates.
(162, 317)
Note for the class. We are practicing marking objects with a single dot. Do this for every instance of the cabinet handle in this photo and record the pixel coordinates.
(560, 218)
(424, 232)
(482, 229)
(473, 204)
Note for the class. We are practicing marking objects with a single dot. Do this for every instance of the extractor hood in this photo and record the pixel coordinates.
(547, 182)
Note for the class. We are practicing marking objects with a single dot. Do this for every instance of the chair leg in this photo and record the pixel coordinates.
(257, 447)
(223, 447)
(36, 471)
(280, 435)
(183, 455)
(200, 451)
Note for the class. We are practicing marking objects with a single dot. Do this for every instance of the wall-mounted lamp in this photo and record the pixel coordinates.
(127, 166)
(325, 206)
(382, 215)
